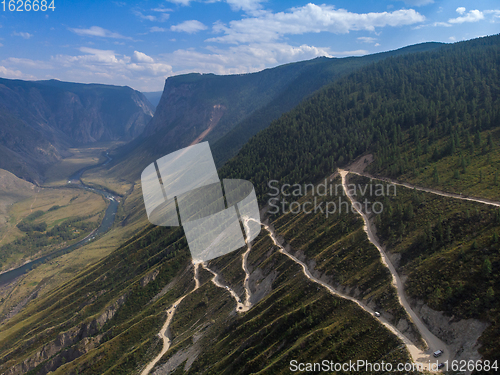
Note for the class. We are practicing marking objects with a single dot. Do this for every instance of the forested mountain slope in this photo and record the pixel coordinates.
(107, 319)
(383, 108)
(228, 110)
(324, 72)
(432, 118)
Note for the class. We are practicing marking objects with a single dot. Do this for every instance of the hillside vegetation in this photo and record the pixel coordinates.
(432, 118)
(320, 72)
(57, 218)
(228, 110)
(106, 319)
(449, 250)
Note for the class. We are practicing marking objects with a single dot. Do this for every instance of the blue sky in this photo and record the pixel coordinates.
(140, 43)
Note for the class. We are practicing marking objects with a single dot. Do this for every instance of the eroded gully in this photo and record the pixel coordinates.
(241, 306)
(422, 358)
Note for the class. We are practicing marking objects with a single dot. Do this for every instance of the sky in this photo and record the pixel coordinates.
(140, 43)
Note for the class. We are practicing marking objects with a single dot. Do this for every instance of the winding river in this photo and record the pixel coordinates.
(107, 222)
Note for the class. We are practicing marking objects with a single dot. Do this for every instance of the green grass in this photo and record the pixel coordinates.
(296, 320)
(295, 315)
(81, 157)
(342, 252)
(76, 205)
(472, 169)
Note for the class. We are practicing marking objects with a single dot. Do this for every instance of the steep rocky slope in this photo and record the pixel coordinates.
(294, 318)
(39, 120)
(228, 110)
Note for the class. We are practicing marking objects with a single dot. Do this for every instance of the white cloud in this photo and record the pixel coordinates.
(18, 62)
(98, 31)
(155, 69)
(97, 55)
(190, 27)
(180, 2)
(445, 24)
(495, 12)
(452, 38)
(160, 18)
(460, 10)
(106, 66)
(418, 3)
(161, 9)
(11, 73)
(244, 58)
(92, 66)
(163, 17)
(434, 24)
(23, 35)
(146, 17)
(147, 73)
(473, 16)
(156, 29)
(140, 57)
(367, 39)
(307, 19)
(248, 58)
(249, 6)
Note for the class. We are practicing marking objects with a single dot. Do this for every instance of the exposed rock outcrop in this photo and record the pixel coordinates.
(40, 120)
(68, 345)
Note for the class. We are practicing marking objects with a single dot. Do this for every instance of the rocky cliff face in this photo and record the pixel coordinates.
(183, 117)
(200, 107)
(40, 120)
(228, 110)
(68, 345)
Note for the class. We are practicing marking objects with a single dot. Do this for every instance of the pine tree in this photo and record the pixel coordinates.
(487, 267)
(490, 142)
(435, 176)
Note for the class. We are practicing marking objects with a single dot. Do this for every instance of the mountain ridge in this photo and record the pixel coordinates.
(249, 101)
(106, 319)
(40, 120)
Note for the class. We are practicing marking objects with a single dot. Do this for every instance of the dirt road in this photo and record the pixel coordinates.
(432, 341)
(163, 330)
(429, 190)
(240, 306)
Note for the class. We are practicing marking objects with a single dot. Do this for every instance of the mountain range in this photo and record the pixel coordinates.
(228, 110)
(311, 287)
(40, 120)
